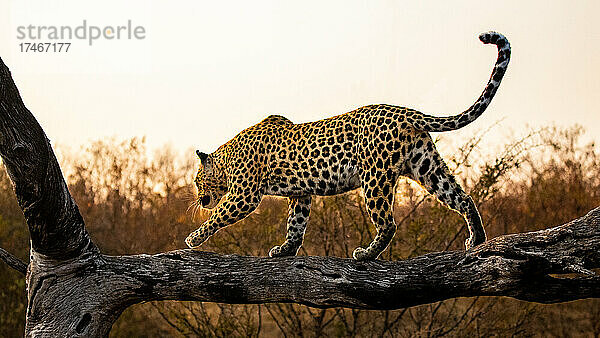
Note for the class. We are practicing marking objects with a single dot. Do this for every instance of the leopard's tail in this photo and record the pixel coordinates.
(433, 123)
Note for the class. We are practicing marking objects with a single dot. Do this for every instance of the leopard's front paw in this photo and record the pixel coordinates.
(275, 251)
(361, 254)
(474, 241)
(280, 251)
(195, 239)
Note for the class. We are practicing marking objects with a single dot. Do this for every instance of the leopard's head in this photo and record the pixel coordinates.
(210, 181)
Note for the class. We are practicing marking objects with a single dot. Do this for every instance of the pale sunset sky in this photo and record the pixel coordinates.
(206, 70)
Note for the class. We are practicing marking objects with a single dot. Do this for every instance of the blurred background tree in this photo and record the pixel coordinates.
(134, 201)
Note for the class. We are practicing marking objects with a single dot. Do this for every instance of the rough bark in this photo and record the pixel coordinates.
(74, 290)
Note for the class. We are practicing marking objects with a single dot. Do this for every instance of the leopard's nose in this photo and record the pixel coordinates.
(205, 200)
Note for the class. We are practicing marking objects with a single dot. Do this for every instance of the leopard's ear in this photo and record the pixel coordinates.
(202, 156)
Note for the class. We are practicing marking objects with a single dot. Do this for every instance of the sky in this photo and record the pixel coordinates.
(206, 70)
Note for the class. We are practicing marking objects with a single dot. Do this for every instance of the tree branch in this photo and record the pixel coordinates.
(100, 287)
(517, 265)
(13, 261)
(74, 290)
(55, 224)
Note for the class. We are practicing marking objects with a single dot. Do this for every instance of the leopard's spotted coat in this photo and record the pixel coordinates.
(369, 147)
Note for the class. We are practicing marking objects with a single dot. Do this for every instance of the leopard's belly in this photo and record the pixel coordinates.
(336, 178)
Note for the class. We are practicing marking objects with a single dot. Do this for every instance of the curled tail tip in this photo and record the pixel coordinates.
(494, 38)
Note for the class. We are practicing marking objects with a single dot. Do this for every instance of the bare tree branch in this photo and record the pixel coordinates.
(13, 261)
(514, 265)
(74, 290)
(55, 224)
(94, 289)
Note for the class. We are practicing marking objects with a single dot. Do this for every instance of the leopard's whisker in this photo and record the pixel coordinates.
(195, 212)
(192, 205)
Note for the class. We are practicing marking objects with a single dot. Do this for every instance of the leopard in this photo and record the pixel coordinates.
(371, 148)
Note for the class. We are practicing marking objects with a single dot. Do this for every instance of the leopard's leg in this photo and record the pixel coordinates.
(378, 187)
(232, 208)
(431, 171)
(298, 213)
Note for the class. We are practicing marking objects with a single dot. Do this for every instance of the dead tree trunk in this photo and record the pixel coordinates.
(74, 290)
